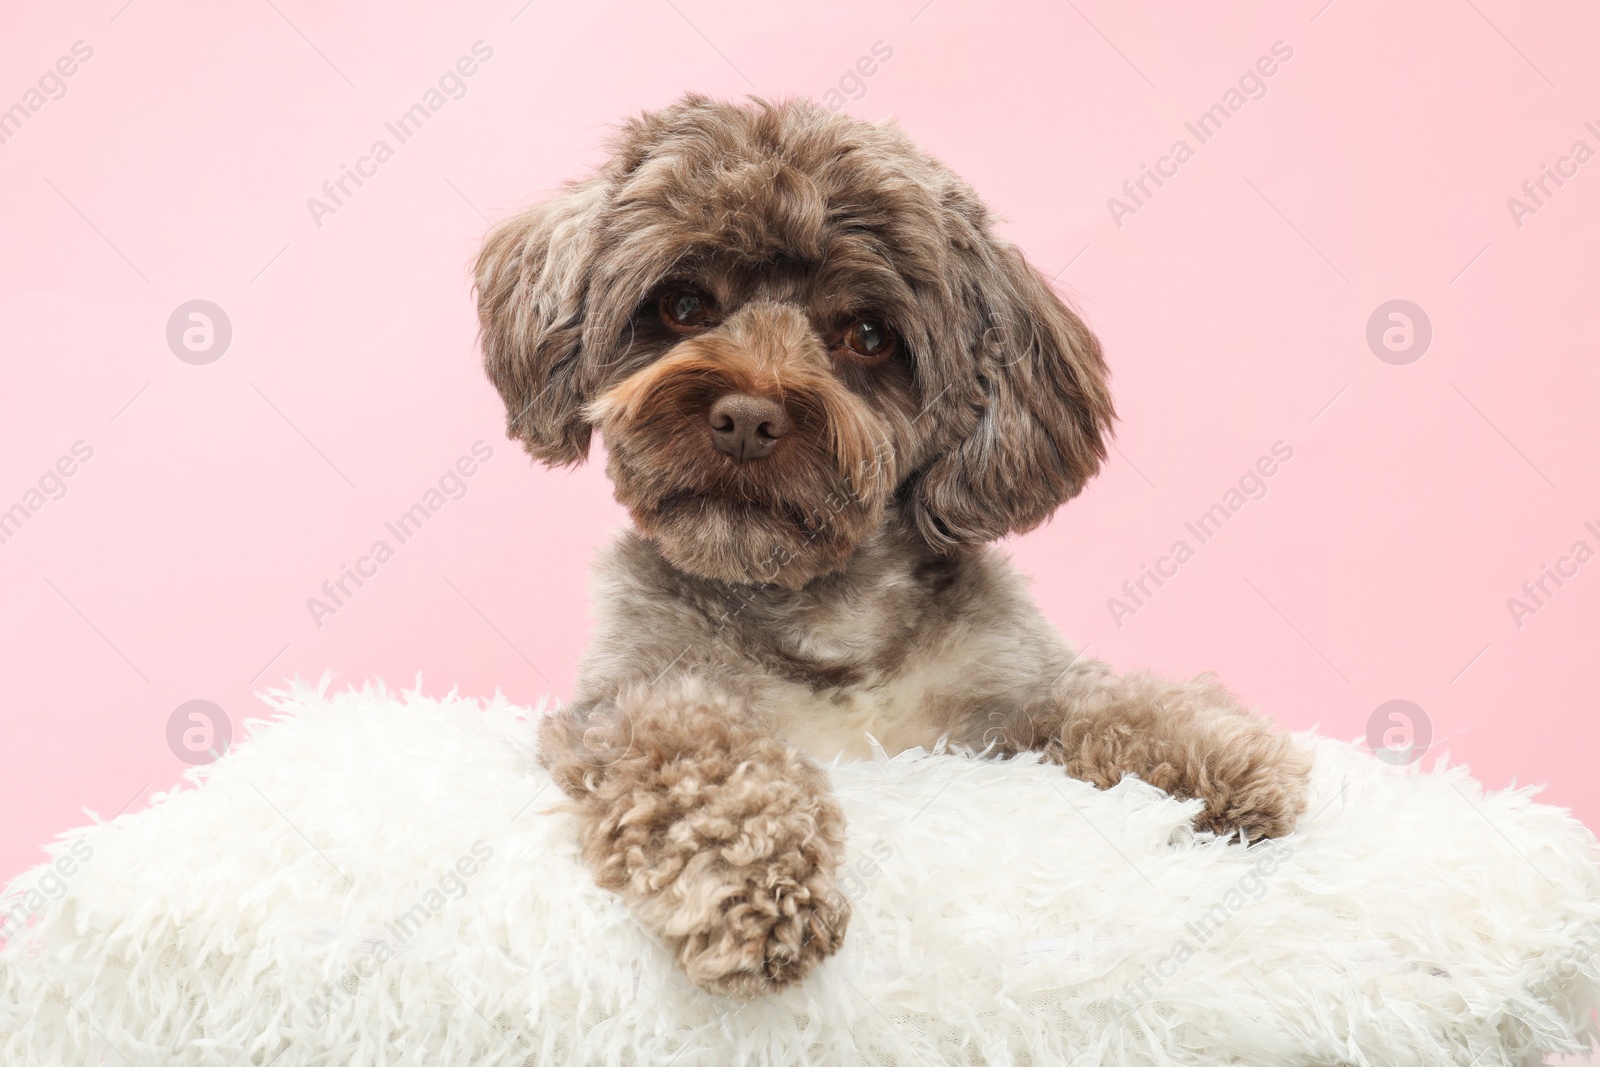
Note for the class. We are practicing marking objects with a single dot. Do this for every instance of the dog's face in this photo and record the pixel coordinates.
(788, 325)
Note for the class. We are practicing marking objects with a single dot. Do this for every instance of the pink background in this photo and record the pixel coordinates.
(1233, 304)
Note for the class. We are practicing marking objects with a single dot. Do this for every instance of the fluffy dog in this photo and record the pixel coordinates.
(825, 385)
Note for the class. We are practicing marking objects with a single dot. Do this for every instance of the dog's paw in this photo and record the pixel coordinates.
(724, 840)
(1254, 782)
(1192, 740)
(750, 930)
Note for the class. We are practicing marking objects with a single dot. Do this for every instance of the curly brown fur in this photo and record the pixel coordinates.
(791, 217)
(722, 838)
(1192, 740)
(799, 586)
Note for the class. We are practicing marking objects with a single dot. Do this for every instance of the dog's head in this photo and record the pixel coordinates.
(788, 324)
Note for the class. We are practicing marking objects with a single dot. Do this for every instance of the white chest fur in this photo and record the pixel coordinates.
(845, 721)
(892, 706)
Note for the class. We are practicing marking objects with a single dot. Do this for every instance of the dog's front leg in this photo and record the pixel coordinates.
(1192, 739)
(723, 839)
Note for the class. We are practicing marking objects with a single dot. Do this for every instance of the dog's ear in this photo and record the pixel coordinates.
(1046, 411)
(533, 282)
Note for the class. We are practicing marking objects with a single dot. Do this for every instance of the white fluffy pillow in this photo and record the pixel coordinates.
(377, 878)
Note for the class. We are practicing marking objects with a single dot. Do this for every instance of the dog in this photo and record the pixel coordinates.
(825, 386)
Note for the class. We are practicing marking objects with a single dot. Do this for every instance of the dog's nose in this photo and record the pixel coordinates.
(747, 427)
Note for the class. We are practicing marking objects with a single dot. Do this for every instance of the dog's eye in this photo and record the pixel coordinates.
(869, 339)
(684, 310)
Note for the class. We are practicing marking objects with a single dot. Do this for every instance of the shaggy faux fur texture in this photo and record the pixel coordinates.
(385, 879)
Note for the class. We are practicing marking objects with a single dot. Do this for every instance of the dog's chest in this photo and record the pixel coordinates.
(856, 679)
(846, 720)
